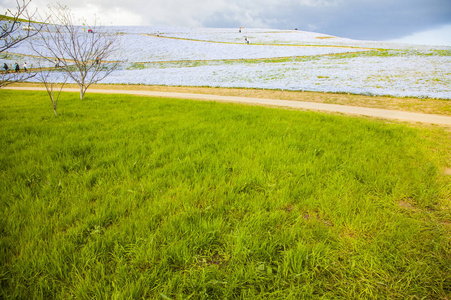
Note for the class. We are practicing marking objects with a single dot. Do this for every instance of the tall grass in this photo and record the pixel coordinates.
(123, 197)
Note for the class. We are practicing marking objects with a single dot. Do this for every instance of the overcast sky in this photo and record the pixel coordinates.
(421, 21)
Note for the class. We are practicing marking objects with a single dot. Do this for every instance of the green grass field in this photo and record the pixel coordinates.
(124, 197)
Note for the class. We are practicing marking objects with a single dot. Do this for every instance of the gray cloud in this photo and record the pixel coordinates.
(378, 20)
(359, 19)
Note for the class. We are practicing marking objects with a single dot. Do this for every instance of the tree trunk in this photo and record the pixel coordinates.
(52, 97)
(82, 92)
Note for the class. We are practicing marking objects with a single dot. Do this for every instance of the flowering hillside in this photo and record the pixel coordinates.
(277, 59)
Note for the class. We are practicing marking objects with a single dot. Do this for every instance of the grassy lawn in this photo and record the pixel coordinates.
(124, 197)
(429, 106)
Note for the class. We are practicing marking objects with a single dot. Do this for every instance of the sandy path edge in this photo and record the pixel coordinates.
(345, 109)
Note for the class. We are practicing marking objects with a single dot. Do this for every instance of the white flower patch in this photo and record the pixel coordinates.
(150, 49)
(396, 76)
(220, 57)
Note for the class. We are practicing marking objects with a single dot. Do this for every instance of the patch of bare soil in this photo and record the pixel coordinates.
(406, 205)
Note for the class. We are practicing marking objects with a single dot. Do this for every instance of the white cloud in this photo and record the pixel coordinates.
(108, 16)
(440, 36)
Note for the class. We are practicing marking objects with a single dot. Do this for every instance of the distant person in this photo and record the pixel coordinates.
(16, 67)
(90, 31)
(25, 67)
(5, 66)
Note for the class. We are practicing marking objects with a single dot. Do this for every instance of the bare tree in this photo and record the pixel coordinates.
(80, 51)
(47, 75)
(15, 27)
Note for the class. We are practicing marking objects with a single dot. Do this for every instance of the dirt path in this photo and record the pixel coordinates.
(344, 109)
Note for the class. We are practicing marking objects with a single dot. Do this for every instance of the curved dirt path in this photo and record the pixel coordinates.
(344, 109)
